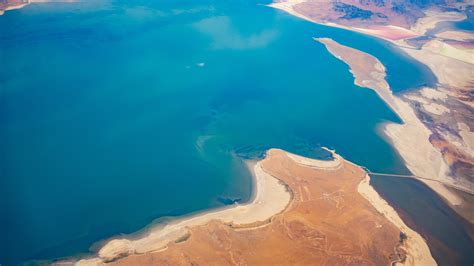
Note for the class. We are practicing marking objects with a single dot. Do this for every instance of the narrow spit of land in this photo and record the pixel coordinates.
(437, 119)
(423, 161)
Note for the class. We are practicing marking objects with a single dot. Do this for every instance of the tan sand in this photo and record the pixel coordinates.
(320, 190)
(450, 73)
(22, 5)
(433, 94)
(334, 218)
(437, 55)
(418, 251)
(432, 18)
(334, 164)
(455, 52)
(436, 109)
(425, 160)
(271, 197)
(429, 106)
(388, 32)
(467, 135)
(12, 8)
(461, 36)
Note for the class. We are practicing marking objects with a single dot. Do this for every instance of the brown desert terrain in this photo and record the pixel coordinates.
(334, 217)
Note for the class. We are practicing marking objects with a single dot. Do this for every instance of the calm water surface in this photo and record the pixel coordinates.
(115, 113)
(468, 23)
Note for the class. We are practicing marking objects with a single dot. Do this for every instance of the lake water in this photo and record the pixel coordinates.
(113, 114)
(468, 23)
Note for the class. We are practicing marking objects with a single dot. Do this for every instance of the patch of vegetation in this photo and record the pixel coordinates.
(398, 8)
(378, 3)
(403, 237)
(352, 12)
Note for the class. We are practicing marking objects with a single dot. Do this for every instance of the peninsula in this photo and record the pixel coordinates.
(302, 211)
(436, 140)
(311, 211)
(6, 5)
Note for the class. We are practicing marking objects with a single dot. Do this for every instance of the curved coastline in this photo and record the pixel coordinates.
(13, 7)
(446, 61)
(180, 236)
(415, 244)
(269, 198)
(273, 196)
(369, 72)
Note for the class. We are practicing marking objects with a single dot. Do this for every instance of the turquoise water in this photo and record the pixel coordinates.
(468, 23)
(113, 114)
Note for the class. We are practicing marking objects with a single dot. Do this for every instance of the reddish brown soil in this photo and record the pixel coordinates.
(327, 223)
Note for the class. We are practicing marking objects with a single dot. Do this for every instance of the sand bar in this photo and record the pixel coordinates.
(425, 160)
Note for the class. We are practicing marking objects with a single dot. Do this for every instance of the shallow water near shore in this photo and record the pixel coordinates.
(468, 23)
(116, 113)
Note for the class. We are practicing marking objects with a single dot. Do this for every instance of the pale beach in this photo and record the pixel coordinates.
(272, 198)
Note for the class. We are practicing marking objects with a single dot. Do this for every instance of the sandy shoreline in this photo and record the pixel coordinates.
(29, 2)
(12, 8)
(451, 66)
(417, 249)
(418, 252)
(389, 33)
(425, 161)
(270, 197)
(334, 164)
